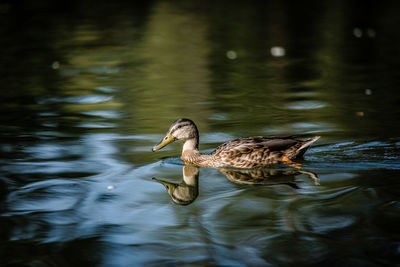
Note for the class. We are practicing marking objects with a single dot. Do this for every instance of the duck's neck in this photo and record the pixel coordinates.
(191, 153)
(191, 145)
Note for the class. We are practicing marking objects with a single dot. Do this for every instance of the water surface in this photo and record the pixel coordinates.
(87, 90)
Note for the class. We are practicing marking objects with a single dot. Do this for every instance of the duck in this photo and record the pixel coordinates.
(244, 153)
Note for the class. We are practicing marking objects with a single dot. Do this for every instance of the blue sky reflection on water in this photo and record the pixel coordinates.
(87, 90)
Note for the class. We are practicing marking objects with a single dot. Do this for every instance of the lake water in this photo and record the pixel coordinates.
(88, 88)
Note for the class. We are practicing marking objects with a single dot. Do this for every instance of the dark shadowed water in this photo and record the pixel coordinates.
(87, 88)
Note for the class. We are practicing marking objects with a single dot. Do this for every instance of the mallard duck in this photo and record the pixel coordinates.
(250, 152)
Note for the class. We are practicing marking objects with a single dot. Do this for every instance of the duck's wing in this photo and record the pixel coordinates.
(255, 152)
(252, 152)
(279, 144)
(250, 144)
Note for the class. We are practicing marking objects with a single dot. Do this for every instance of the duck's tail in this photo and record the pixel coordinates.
(306, 144)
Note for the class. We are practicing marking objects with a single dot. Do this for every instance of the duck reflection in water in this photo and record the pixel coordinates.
(267, 177)
(186, 192)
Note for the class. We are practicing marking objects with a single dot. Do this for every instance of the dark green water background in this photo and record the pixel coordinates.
(88, 87)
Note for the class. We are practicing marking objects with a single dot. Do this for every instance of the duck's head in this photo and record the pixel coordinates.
(181, 129)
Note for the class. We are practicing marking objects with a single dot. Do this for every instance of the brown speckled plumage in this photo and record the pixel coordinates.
(250, 152)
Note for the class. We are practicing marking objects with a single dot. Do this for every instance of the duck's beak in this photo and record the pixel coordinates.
(169, 186)
(165, 141)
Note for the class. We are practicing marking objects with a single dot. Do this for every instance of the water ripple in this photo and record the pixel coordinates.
(306, 105)
(45, 196)
(107, 114)
(87, 99)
